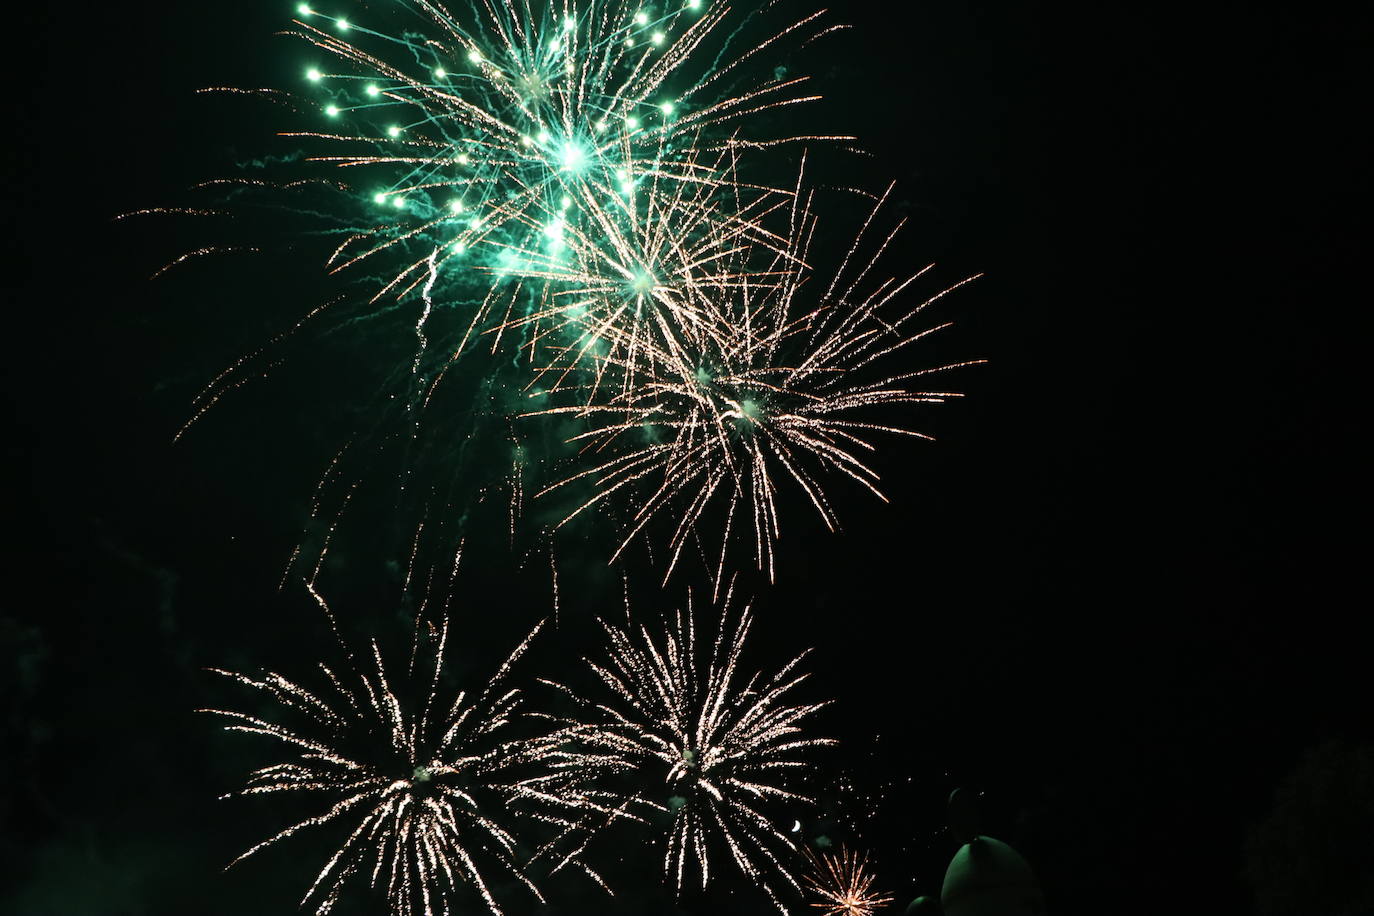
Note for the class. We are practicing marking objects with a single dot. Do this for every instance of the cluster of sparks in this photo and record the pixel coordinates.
(720, 744)
(428, 785)
(504, 129)
(565, 180)
(736, 384)
(418, 783)
(844, 883)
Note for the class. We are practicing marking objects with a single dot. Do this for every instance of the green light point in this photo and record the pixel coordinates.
(656, 38)
(314, 75)
(440, 73)
(332, 111)
(666, 108)
(475, 56)
(393, 131)
(693, 4)
(398, 202)
(373, 91)
(641, 17)
(569, 23)
(342, 25)
(573, 158)
(379, 198)
(305, 10)
(463, 159)
(566, 202)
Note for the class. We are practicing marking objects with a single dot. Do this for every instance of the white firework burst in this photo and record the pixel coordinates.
(768, 387)
(428, 785)
(720, 747)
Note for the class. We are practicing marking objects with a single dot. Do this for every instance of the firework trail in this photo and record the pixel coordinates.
(776, 383)
(722, 743)
(426, 787)
(844, 884)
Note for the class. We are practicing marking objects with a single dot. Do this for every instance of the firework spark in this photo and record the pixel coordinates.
(844, 883)
(425, 788)
(765, 389)
(722, 742)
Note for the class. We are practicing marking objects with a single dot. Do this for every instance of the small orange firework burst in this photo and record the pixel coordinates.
(844, 882)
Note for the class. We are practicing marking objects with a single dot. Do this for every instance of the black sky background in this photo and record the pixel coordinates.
(1121, 595)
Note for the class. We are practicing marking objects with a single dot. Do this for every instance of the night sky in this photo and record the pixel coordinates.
(1121, 595)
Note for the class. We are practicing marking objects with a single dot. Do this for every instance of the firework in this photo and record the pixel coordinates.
(556, 179)
(720, 744)
(424, 788)
(844, 884)
(768, 388)
(491, 132)
(638, 295)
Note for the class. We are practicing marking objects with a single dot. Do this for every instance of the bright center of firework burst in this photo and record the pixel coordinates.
(573, 157)
(642, 283)
(533, 87)
(554, 231)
